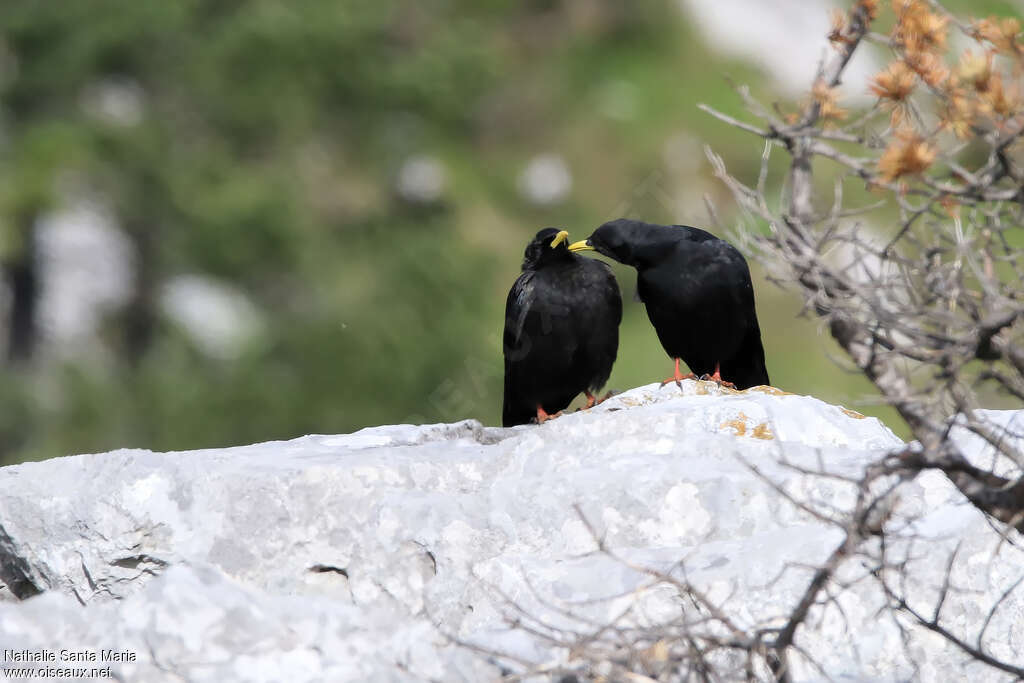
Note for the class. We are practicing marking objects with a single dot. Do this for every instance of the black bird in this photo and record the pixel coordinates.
(561, 330)
(698, 295)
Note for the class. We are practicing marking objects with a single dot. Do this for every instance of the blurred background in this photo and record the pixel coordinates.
(229, 221)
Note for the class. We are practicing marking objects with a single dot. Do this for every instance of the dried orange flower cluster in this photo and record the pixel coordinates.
(907, 154)
(978, 93)
(975, 93)
(918, 30)
(840, 32)
(827, 99)
(1003, 33)
(895, 83)
(870, 8)
(920, 35)
(994, 99)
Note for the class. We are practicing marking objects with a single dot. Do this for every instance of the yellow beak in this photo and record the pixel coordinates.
(580, 246)
(562, 236)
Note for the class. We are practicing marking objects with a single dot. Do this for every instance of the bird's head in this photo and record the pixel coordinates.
(614, 239)
(548, 246)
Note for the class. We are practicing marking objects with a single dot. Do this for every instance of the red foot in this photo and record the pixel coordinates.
(594, 401)
(543, 417)
(678, 376)
(717, 378)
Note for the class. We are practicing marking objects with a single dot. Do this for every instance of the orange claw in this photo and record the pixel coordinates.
(678, 376)
(594, 401)
(717, 378)
(543, 417)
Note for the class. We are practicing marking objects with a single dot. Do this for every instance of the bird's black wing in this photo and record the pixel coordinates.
(517, 305)
(745, 366)
(598, 308)
(692, 234)
(542, 334)
(561, 336)
(515, 347)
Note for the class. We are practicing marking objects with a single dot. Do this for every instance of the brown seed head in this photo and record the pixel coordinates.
(837, 34)
(826, 98)
(975, 70)
(870, 8)
(929, 66)
(917, 28)
(999, 99)
(895, 83)
(1003, 32)
(907, 154)
(960, 113)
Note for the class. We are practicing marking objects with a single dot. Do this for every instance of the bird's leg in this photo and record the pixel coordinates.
(717, 378)
(594, 400)
(543, 417)
(678, 375)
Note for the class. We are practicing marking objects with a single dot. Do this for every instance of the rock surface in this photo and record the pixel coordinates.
(362, 556)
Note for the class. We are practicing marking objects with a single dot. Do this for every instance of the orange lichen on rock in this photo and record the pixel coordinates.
(739, 424)
(761, 431)
(771, 391)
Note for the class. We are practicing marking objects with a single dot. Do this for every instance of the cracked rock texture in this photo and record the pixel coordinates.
(360, 557)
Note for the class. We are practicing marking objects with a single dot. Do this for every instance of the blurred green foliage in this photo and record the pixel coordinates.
(266, 153)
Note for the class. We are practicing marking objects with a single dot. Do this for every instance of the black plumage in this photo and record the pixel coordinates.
(561, 329)
(698, 295)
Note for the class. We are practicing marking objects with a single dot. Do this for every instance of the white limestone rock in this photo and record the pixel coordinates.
(356, 557)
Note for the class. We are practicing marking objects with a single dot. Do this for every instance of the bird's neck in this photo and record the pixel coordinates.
(551, 261)
(649, 255)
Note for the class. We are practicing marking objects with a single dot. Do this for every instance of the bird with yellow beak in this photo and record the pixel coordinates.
(698, 294)
(561, 330)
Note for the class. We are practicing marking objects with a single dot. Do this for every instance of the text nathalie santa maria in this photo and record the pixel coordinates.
(69, 655)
